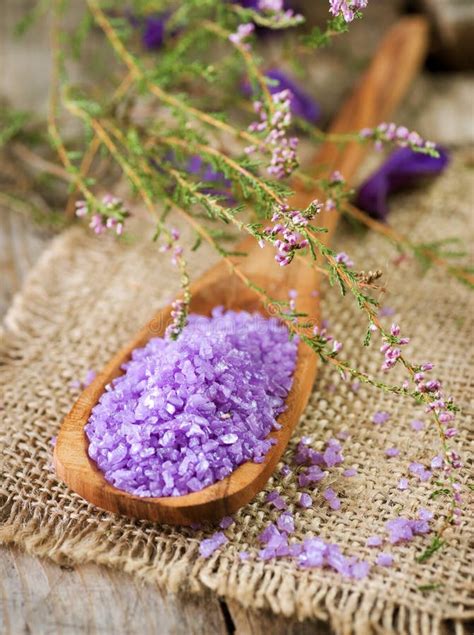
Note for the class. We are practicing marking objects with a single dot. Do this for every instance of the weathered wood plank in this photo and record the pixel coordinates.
(37, 596)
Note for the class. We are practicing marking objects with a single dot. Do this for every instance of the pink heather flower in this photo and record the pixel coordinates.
(336, 177)
(330, 205)
(399, 136)
(111, 214)
(276, 10)
(347, 8)
(81, 208)
(283, 160)
(450, 432)
(179, 316)
(286, 233)
(270, 5)
(336, 347)
(242, 33)
(343, 258)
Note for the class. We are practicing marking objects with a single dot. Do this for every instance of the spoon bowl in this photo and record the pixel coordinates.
(218, 287)
(382, 87)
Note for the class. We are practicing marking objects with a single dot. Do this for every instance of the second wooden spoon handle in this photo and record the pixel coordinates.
(376, 96)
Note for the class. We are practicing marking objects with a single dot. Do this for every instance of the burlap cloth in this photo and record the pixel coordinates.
(86, 297)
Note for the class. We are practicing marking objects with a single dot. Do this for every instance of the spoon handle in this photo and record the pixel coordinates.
(396, 63)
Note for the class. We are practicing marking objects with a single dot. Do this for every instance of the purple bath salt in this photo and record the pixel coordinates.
(188, 412)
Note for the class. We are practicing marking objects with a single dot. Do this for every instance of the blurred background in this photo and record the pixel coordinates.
(440, 105)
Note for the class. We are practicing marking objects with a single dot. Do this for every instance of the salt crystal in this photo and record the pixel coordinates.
(209, 545)
(305, 500)
(384, 559)
(188, 412)
(374, 541)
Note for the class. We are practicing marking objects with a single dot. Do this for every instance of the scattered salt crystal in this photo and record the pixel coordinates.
(360, 570)
(402, 484)
(305, 500)
(404, 529)
(419, 470)
(374, 541)
(331, 497)
(226, 522)
(380, 417)
(209, 545)
(384, 559)
(386, 311)
(437, 462)
(286, 523)
(89, 377)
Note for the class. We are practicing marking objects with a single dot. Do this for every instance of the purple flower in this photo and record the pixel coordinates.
(153, 33)
(392, 452)
(346, 8)
(403, 168)
(301, 103)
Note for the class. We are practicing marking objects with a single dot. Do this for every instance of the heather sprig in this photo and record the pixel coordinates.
(152, 151)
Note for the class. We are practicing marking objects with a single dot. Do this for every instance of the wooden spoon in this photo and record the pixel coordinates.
(381, 89)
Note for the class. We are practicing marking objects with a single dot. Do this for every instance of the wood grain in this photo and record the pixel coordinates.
(396, 62)
(39, 597)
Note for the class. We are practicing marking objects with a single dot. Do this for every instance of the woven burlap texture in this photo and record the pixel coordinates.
(87, 296)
